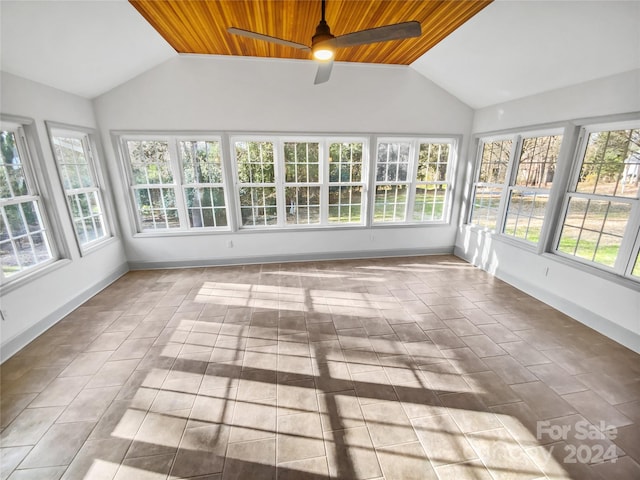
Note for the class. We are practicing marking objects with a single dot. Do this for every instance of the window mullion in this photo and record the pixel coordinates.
(412, 173)
(175, 164)
(516, 146)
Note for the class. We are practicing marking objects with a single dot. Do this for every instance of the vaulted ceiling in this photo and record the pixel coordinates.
(508, 50)
(201, 27)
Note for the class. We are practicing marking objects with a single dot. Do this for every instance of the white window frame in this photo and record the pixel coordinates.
(195, 185)
(277, 173)
(95, 188)
(512, 179)
(500, 212)
(362, 184)
(280, 182)
(33, 196)
(447, 182)
(178, 184)
(411, 181)
(630, 243)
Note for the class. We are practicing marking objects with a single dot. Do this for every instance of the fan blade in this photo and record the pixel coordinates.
(266, 38)
(324, 72)
(396, 31)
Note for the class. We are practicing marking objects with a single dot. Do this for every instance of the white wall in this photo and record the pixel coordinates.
(198, 93)
(605, 303)
(35, 305)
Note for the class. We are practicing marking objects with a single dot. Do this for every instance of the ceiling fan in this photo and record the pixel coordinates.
(324, 44)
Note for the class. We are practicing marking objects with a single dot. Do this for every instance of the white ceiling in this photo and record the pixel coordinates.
(86, 47)
(511, 49)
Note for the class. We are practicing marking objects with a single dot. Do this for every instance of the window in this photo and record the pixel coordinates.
(203, 183)
(412, 180)
(529, 192)
(24, 238)
(299, 181)
(74, 157)
(488, 188)
(256, 183)
(346, 182)
(392, 181)
(603, 195)
(177, 184)
(431, 182)
(302, 182)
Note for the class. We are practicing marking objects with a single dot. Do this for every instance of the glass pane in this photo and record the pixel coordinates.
(486, 202)
(525, 214)
(304, 158)
(537, 165)
(201, 161)
(9, 258)
(593, 229)
(150, 161)
(495, 160)
(255, 162)
(17, 225)
(345, 204)
(345, 162)
(258, 206)
(611, 164)
(390, 203)
(429, 202)
(26, 252)
(432, 162)
(12, 179)
(393, 161)
(303, 205)
(156, 207)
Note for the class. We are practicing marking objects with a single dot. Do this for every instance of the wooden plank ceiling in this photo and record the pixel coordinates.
(201, 26)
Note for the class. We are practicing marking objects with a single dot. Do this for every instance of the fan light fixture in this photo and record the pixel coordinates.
(323, 52)
(324, 43)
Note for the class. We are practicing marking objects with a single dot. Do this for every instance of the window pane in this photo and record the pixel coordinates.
(537, 164)
(201, 161)
(201, 204)
(345, 162)
(72, 159)
(345, 204)
(432, 162)
(24, 243)
(157, 208)
(393, 162)
(258, 206)
(12, 178)
(611, 164)
(303, 205)
(495, 161)
(486, 202)
(391, 203)
(593, 229)
(150, 162)
(255, 162)
(301, 162)
(525, 214)
(429, 202)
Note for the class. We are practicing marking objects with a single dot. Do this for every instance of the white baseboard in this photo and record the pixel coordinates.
(306, 257)
(600, 324)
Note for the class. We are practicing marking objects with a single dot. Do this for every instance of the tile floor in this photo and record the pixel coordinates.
(405, 368)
